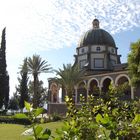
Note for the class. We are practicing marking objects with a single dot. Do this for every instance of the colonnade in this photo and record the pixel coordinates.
(92, 85)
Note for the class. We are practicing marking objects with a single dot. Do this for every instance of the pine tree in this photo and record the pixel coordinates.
(4, 77)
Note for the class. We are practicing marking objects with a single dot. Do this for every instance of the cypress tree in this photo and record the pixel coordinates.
(23, 87)
(4, 77)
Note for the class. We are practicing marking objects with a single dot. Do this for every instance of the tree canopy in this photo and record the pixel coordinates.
(69, 77)
(134, 63)
(37, 66)
(4, 77)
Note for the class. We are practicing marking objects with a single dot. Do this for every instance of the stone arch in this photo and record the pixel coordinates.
(81, 90)
(119, 76)
(95, 80)
(93, 87)
(54, 92)
(102, 80)
(124, 79)
(105, 82)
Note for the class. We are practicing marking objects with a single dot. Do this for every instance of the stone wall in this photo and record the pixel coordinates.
(58, 108)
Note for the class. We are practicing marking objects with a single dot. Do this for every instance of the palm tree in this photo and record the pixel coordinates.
(37, 66)
(69, 77)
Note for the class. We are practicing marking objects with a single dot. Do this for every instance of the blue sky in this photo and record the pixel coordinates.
(52, 28)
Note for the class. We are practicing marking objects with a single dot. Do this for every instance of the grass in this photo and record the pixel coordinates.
(13, 131)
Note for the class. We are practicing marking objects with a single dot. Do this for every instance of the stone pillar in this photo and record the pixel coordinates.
(63, 94)
(75, 90)
(87, 86)
(132, 92)
(58, 96)
(87, 91)
(49, 96)
(100, 89)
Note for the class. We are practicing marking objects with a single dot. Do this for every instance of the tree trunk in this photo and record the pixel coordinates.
(35, 104)
(71, 95)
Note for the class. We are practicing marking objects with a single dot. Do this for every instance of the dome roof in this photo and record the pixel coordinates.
(96, 36)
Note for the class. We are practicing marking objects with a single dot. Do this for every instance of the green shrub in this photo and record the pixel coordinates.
(14, 120)
(6, 119)
(103, 118)
(36, 131)
(3, 112)
(56, 117)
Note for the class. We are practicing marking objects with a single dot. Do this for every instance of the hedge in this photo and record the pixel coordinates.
(13, 120)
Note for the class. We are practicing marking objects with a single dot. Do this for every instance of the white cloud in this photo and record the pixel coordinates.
(50, 24)
(34, 25)
(68, 19)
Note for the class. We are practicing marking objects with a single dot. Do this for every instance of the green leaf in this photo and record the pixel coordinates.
(58, 131)
(38, 130)
(103, 120)
(136, 119)
(38, 111)
(67, 99)
(47, 131)
(28, 106)
(98, 118)
(106, 119)
(57, 138)
(115, 111)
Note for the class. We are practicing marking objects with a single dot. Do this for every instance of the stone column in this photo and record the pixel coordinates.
(87, 91)
(63, 94)
(132, 92)
(58, 96)
(87, 87)
(75, 90)
(100, 89)
(49, 95)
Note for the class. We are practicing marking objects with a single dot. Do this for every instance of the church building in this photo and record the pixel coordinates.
(98, 55)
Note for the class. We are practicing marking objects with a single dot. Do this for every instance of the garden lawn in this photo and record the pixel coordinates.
(14, 131)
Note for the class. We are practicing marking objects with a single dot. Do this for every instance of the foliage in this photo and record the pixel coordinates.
(23, 84)
(55, 117)
(13, 131)
(42, 92)
(37, 66)
(104, 118)
(17, 119)
(38, 132)
(134, 63)
(4, 77)
(13, 104)
(69, 76)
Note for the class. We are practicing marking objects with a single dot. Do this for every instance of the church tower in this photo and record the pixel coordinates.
(97, 50)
